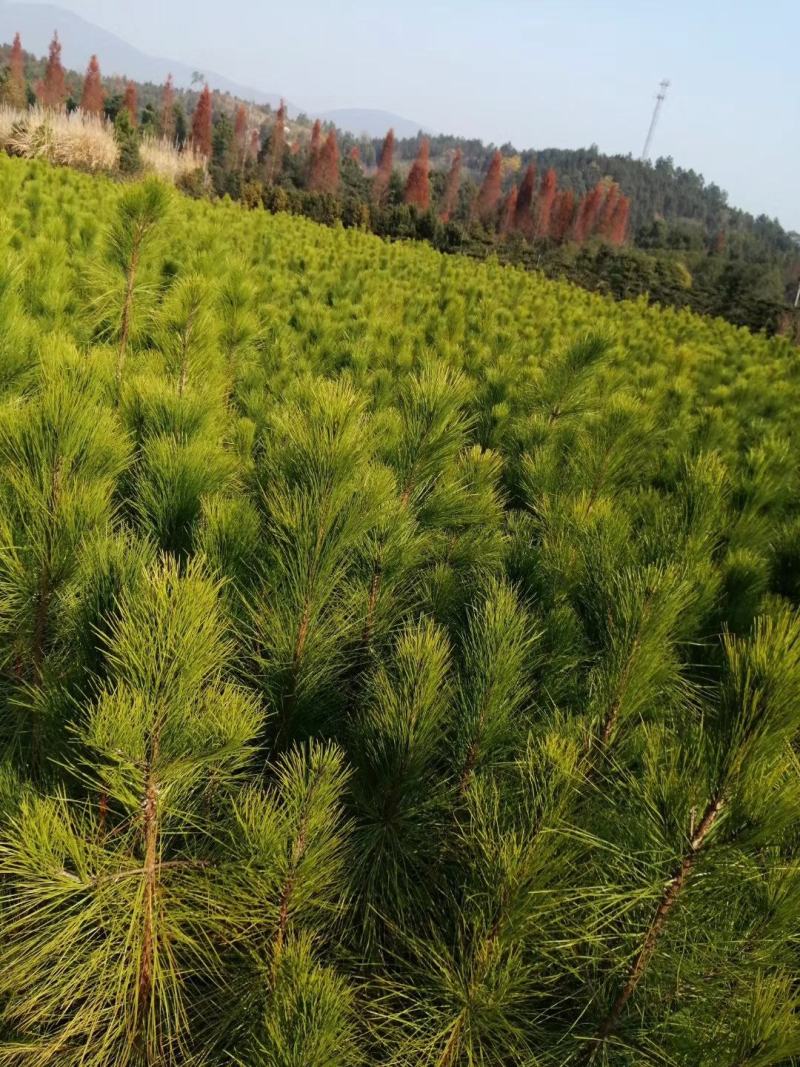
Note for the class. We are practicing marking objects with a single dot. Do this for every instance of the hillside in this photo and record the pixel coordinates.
(400, 655)
(36, 22)
(676, 239)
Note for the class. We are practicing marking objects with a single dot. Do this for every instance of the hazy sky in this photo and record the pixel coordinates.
(539, 73)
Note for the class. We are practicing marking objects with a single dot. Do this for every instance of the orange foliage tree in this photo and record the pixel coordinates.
(618, 229)
(240, 132)
(92, 93)
(509, 211)
(325, 174)
(544, 205)
(129, 102)
(383, 176)
(489, 193)
(418, 189)
(588, 212)
(15, 93)
(606, 214)
(562, 215)
(201, 124)
(52, 89)
(523, 216)
(452, 185)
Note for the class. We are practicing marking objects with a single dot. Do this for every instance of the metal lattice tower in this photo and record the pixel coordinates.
(660, 95)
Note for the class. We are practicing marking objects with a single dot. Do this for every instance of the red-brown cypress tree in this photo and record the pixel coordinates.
(588, 212)
(523, 217)
(355, 154)
(168, 109)
(277, 144)
(92, 93)
(15, 94)
(201, 124)
(509, 211)
(240, 131)
(255, 144)
(384, 173)
(129, 103)
(618, 229)
(451, 188)
(418, 189)
(563, 215)
(606, 215)
(325, 175)
(544, 205)
(489, 193)
(52, 90)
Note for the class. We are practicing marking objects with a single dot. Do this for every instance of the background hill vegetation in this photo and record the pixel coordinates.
(609, 223)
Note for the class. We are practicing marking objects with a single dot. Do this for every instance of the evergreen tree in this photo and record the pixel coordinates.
(127, 138)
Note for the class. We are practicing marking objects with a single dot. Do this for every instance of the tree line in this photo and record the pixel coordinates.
(573, 220)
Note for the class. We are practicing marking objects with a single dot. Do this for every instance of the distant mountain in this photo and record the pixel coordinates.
(371, 121)
(35, 24)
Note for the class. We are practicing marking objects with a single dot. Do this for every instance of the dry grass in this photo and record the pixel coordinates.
(161, 156)
(75, 139)
(83, 141)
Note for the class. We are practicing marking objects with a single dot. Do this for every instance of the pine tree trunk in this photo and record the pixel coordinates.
(668, 901)
(127, 314)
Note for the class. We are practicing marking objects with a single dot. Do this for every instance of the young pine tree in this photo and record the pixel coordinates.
(138, 908)
(120, 286)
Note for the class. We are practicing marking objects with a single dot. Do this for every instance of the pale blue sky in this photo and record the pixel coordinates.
(535, 72)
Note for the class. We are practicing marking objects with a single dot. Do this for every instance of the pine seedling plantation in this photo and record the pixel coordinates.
(400, 656)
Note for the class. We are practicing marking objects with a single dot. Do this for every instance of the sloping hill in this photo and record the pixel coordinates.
(371, 121)
(80, 38)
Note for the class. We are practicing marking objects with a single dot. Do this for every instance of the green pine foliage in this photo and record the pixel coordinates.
(400, 655)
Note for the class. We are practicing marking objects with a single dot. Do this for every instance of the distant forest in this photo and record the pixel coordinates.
(612, 224)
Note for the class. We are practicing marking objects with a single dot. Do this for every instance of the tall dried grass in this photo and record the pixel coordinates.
(161, 156)
(86, 142)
